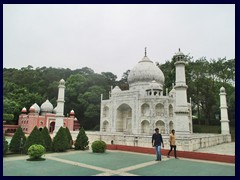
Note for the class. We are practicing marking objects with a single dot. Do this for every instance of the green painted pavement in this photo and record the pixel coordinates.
(111, 163)
(180, 167)
(44, 168)
(109, 160)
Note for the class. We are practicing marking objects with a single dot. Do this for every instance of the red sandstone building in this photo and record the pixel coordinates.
(44, 117)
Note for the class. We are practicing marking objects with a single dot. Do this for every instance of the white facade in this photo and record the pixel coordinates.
(143, 107)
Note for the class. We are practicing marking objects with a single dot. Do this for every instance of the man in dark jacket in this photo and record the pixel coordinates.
(156, 142)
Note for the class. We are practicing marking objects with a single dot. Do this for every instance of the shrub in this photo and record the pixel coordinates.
(35, 151)
(5, 146)
(82, 140)
(47, 139)
(18, 141)
(34, 138)
(69, 136)
(60, 141)
(99, 146)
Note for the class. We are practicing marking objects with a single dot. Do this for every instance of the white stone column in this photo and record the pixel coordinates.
(224, 112)
(101, 115)
(60, 105)
(181, 110)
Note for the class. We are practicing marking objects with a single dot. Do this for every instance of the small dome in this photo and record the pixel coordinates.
(47, 107)
(179, 56)
(24, 110)
(222, 89)
(145, 72)
(116, 89)
(36, 107)
(31, 109)
(179, 53)
(62, 82)
(154, 85)
(72, 112)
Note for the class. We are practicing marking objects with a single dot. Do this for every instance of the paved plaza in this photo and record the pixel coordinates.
(112, 163)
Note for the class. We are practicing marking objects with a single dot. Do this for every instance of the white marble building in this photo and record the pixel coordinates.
(143, 107)
(130, 117)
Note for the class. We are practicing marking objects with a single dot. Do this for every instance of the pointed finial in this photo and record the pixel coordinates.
(179, 49)
(145, 51)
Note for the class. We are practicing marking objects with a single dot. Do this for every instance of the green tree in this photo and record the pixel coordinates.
(123, 83)
(60, 141)
(111, 78)
(47, 139)
(35, 137)
(69, 136)
(9, 118)
(82, 140)
(18, 141)
(23, 87)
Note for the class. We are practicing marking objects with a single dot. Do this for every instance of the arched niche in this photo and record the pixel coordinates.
(159, 109)
(124, 118)
(145, 126)
(161, 126)
(145, 110)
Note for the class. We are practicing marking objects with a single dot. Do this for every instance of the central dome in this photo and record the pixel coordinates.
(145, 72)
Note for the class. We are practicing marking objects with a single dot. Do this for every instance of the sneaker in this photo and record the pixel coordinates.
(157, 160)
(176, 158)
(168, 156)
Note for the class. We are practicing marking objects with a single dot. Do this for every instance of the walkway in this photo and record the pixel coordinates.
(112, 163)
(224, 149)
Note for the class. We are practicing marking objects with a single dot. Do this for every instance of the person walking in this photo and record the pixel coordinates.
(156, 142)
(172, 141)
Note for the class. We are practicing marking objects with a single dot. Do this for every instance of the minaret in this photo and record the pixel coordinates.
(224, 112)
(181, 107)
(60, 105)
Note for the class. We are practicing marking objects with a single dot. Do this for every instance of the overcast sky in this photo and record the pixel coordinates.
(112, 38)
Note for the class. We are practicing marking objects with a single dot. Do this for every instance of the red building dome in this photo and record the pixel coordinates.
(31, 109)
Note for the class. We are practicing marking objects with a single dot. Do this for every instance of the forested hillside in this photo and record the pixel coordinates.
(23, 87)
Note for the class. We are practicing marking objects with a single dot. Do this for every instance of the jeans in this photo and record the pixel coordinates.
(158, 152)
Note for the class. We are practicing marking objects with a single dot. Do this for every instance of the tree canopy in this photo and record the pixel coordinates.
(26, 86)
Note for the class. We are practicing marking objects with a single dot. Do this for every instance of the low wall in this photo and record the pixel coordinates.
(185, 143)
(181, 154)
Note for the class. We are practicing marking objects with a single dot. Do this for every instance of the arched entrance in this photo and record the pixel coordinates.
(51, 126)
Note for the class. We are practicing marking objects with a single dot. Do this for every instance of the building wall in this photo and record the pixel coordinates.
(29, 121)
(190, 143)
(147, 113)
